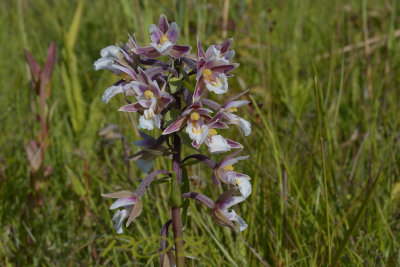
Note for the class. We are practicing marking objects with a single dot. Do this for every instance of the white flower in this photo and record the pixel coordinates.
(196, 128)
(106, 61)
(149, 120)
(118, 219)
(232, 215)
(216, 143)
(111, 51)
(244, 125)
(218, 85)
(244, 185)
(164, 47)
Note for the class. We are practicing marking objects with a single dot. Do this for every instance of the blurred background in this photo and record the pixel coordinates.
(324, 150)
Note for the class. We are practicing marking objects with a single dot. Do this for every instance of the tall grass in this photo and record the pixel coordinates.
(324, 151)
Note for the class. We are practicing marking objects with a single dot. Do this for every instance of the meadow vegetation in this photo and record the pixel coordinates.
(324, 150)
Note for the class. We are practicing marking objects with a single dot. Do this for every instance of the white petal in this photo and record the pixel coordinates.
(232, 201)
(218, 144)
(122, 202)
(157, 120)
(244, 125)
(110, 51)
(146, 123)
(199, 133)
(165, 47)
(244, 186)
(118, 219)
(234, 217)
(220, 87)
(111, 92)
(103, 63)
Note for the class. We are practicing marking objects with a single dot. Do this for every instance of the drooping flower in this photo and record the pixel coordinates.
(224, 171)
(131, 208)
(164, 38)
(224, 217)
(152, 148)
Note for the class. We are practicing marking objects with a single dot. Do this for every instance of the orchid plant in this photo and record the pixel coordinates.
(156, 76)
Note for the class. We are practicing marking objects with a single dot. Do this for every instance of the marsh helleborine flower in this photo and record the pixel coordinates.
(151, 82)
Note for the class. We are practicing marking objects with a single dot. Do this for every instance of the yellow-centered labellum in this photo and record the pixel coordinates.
(163, 39)
(207, 74)
(238, 181)
(194, 116)
(216, 83)
(227, 168)
(148, 94)
(212, 132)
(232, 109)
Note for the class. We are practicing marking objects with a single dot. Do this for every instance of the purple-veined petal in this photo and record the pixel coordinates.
(199, 89)
(179, 50)
(232, 161)
(175, 126)
(211, 104)
(151, 72)
(212, 52)
(134, 107)
(220, 125)
(201, 64)
(122, 202)
(172, 33)
(223, 68)
(155, 33)
(235, 104)
(149, 52)
(200, 51)
(202, 111)
(226, 44)
(234, 144)
(229, 55)
(163, 23)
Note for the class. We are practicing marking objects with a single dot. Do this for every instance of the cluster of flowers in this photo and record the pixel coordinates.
(147, 73)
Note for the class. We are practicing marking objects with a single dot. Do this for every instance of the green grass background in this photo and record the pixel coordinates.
(324, 150)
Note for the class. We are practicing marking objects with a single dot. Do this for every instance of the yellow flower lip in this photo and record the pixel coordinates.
(163, 39)
(227, 168)
(207, 74)
(212, 132)
(232, 109)
(148, 94)
(194, 116)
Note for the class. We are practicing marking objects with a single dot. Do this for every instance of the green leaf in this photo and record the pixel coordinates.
(170, 117)
(174, 84)
(76, 184)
